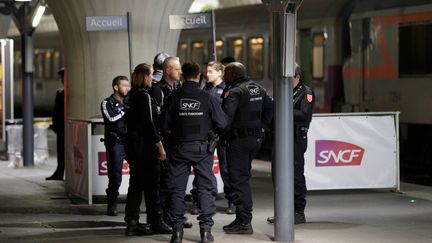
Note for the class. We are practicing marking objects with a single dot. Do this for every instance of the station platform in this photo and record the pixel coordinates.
(35, 210)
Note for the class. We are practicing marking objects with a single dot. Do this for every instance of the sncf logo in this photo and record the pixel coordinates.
(189, 104)
(253, 89)
(337, 153)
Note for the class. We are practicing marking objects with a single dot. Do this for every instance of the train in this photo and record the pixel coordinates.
(358, 56)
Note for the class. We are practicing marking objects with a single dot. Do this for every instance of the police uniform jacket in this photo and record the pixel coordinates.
(58, 113)
(113, 113)
(191, 113)
(247, 105)
(142, 135)
(216, 91)
(303, 102)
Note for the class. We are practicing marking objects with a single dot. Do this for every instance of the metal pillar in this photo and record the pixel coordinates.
(27, 107)
(283, 52)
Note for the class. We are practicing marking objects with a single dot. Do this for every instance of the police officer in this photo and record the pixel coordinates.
(216, 86)
(144, 150)
(113, 112)
(158, 66)
(190, 114)
(303, 102)
(58, 126)
(249, 110)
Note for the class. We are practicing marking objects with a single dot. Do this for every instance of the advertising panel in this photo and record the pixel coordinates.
(348, 152)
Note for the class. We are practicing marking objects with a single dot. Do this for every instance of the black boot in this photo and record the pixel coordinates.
(270, 220)
(135, 228)
(112, 209)
(230, 225)
(240, 228)
(194, 210)
(299, 218)
(231, 208)
(161, 227)
(177, 236)
(206, 236)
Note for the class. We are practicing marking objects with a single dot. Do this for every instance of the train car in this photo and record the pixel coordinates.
(48, 59)
(359, 56)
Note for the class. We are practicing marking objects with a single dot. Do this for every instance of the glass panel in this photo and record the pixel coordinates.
(198, 52)
(415, 51)
(56, 63)
(255, 60)
(318, 56)
(219, 50)
(182, 52)
(47, 65)
(235, 49)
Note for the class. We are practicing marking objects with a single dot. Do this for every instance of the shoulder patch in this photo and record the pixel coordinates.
(309, 97)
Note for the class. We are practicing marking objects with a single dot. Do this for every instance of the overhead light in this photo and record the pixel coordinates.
(23, 0)
(37, 16)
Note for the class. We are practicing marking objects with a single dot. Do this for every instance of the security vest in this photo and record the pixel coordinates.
(248, 114)
(191, 114)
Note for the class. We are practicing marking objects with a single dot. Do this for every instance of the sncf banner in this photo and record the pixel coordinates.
(346, 152)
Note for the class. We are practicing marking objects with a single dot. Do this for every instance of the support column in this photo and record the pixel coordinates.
(93, 59)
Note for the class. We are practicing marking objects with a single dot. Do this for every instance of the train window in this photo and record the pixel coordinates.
(219, 49)
(56, 63)
(47, 65)
(235, 49)
(198, 52)
(38, 64)
(318, 56)
(182, 52)
(415, 50)
(255, 60)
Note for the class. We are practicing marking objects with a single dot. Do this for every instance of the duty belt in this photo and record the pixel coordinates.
(244, 132)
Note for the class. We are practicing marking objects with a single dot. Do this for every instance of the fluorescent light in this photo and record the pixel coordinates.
(23, 0)
(38, 15)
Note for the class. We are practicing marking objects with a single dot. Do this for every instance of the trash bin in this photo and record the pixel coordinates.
(15, 143)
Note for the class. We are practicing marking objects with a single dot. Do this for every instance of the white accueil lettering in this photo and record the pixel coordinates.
(93, 22)
(199, 20)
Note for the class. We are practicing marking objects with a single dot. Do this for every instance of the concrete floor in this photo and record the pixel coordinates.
(35, 210)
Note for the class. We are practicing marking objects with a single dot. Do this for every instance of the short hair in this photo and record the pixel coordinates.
(298, 71)
(190, 70)
(140, 72)
(159, 60)
(116, 80)
(227, 60)
(236, 69)
(167, 62)
(217, 66)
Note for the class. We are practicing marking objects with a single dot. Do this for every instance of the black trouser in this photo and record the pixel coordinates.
(115, 157)
(59, 172)
(184, 156)
(144, 177)
(221, 153)
(240, 153)
(300, 146)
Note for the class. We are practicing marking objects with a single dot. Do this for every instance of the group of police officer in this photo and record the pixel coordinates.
(159, 114)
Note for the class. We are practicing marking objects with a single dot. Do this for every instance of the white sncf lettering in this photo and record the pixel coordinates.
(189, 104)
(343, 156)
(253, 89)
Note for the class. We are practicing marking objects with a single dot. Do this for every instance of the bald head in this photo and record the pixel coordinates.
(234, 71)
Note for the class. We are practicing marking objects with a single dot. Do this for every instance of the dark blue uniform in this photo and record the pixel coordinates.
(190, 114)
(249, 110)
(216, 91)
(59, 129)
(142, 156)
(113, 113)
(303, 101)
